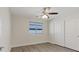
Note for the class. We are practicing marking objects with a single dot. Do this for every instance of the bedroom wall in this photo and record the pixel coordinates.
(5, 29)
(21, 35)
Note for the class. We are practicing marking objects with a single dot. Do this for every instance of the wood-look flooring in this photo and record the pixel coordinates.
(45, 47)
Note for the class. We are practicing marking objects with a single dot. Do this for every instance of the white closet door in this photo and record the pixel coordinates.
(51, 31)
(72, 34)
(59, 32)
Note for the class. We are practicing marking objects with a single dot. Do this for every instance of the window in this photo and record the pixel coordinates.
(35, 27)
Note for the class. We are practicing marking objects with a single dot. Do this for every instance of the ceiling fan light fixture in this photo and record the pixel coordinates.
(45, 17)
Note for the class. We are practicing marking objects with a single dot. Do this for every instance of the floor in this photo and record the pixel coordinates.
(45, 47)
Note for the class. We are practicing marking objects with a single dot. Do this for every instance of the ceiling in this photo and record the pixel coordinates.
(27, 11)
(36, 11)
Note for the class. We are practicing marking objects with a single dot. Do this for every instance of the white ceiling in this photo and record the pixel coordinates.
(28, 11)
(36, 11)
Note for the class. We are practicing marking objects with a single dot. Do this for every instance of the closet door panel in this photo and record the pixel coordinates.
(59, 32)
(72, 34)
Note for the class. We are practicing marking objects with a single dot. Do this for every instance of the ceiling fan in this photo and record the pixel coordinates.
(46, 13)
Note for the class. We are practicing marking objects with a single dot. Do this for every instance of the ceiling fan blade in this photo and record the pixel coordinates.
(53, 13)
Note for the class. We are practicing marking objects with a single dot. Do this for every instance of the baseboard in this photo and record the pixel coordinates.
(57, 44)
(29, 44)
(51, 42)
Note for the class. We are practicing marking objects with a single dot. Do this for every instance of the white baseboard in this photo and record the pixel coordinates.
(51, 42)
(28, 44)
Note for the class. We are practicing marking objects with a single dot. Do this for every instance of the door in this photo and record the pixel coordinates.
(59, 32)
(72, 34)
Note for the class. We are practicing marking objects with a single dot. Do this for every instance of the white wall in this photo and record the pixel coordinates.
(5, 29)
(21, 35)
(51, 31)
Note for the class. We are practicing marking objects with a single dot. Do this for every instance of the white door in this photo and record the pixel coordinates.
(59, 32)
(72, 34)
